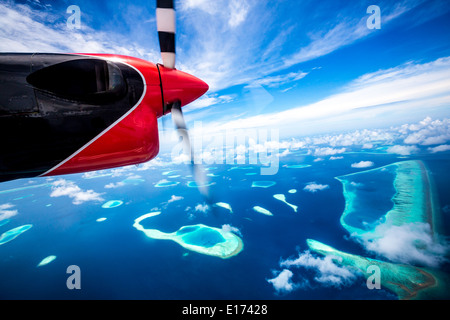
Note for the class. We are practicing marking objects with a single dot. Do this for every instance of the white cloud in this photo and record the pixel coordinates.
(364, 137)
(276, 81)
(181, 158)
(152, 164)
(95, 174)
(340, 35)
(208, 100)
(223, 61)
(428, 132)
(362, 164)
(219, 62)
(230, 228)
(25, 30)
(284, 153)
(114, 185)
(327, 272)
(6, 212)
(204, 5)
(441, 148)
(283, 281)
(314, 187)
(128, 171)
(410, 243)
(162, 181)
(202, 208)
(238, 46)
(238, 12)
(343, 33)
(63, 187)
(435, 140)
(175, 198)
(406, 88)
(234, 43)
(328, 151)
(228, 146)
(403, 150)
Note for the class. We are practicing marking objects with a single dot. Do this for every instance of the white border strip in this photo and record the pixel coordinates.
(165, 20)
(112, 125)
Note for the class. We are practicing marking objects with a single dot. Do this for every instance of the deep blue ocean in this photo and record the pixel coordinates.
(119, 262)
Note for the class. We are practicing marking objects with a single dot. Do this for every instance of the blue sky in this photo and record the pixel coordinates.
(303, 67)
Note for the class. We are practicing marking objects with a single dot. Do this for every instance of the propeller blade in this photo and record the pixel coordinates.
(198, 172)
(165, 21)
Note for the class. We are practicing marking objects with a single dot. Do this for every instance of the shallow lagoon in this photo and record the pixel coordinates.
(112, 204)
(398, 193)
(263, 184)
(163, 184)
(199, 238)
(368, 195)
(13, 233)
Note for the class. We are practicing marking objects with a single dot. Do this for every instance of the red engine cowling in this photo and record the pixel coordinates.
(133, 138)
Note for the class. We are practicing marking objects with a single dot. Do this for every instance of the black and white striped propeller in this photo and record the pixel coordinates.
(166, 26)
(165, 21)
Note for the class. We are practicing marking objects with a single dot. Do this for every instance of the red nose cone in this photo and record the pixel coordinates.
(179, 85)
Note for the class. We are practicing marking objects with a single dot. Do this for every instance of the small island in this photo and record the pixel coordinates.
(263, 184)
(406, 281)
(199, 238)
(13, 233)
(112, 204)
(165, 183)
(262, 210)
